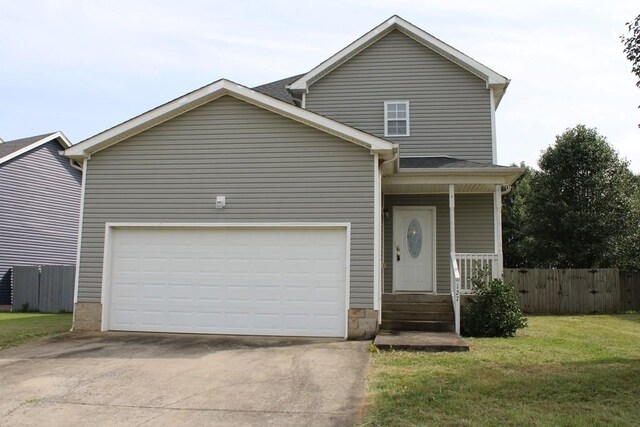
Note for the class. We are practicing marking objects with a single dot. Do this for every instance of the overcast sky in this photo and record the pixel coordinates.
(84, 66)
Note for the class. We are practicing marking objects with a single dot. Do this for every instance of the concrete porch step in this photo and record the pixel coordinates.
(420, 341)
(416, 298)
(418, 307)
(418, 325)
(417, 315)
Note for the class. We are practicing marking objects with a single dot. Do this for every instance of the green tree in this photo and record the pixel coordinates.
(631, 44)
(584, 206)
(516, 222)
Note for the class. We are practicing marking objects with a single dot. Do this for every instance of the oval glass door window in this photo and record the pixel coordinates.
(414, 238)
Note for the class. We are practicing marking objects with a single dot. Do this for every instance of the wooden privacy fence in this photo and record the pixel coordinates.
(45, 288)
(630, 290)
(575, 291)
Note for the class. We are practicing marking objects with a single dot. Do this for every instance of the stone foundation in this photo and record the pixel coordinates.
(87, 316)
(363, 323)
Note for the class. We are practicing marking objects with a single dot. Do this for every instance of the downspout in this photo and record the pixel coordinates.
(396, 153)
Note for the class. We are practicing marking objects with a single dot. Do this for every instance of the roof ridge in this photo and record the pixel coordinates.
(278, 89)
(34, 138)
(16, 147)
(395, 22)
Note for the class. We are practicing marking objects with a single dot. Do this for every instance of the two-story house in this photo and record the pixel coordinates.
(39, 205)
(359, 194)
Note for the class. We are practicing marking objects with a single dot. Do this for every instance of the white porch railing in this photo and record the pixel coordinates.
(468, 263)
(463, 266)
(455, 290)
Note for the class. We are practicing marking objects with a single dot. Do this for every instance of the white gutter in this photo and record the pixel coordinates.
(76, 164)
(378, 235)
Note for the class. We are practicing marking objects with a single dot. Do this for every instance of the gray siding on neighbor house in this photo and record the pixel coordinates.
(39, 208)
(270, 168)
(474, 230)
(450, 111)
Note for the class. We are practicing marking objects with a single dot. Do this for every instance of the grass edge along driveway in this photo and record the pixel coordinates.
(562, 370)
(19, 328)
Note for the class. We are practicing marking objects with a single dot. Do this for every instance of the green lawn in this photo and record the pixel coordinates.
(18, 328)
(560, 371)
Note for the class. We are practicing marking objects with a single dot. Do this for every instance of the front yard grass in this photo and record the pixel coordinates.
(560, 371)
(18, 328)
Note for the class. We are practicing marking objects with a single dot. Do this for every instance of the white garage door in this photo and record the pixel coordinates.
(255, 280)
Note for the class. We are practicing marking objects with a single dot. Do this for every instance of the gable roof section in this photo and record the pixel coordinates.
(494, 80)
(444, 167)
(205, 94)
(12, 149)
(278, 89)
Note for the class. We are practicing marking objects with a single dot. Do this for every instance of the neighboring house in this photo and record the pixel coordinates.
(318, 205)
(39, 205)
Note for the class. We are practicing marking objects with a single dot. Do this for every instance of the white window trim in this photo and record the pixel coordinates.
(386, 119)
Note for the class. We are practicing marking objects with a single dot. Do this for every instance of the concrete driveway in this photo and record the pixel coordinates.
(162, 379)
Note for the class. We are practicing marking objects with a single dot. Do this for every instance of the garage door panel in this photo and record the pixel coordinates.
(273, 281)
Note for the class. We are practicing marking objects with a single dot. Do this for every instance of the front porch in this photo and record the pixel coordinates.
(439, 225)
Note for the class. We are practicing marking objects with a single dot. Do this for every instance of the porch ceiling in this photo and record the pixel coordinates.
(437, 180)
(430, 188)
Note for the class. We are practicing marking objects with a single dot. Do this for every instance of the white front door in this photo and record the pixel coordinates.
(413, 249)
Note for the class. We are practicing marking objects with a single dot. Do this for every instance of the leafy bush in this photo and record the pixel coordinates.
(494, 310)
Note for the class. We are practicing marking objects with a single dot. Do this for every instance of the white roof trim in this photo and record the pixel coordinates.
(395, 22)
(211, 92)
(498, 175)
(58, 135)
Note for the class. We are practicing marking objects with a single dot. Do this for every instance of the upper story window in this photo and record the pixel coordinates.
(396, 118)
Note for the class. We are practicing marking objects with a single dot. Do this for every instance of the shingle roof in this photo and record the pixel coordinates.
(442, 162)
(278, 89)
(9, 147)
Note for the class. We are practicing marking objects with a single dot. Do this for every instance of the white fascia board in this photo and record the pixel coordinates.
(504, 176)
(443, 179)
(211, 92)
(62, 139)
(395, 22)
(145, 121)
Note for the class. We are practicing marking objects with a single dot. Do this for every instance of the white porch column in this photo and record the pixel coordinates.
(452, 218)
(455, 283)
(497, 227)
(377, 237)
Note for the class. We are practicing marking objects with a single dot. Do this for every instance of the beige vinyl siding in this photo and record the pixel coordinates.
(270, 168)
(474, 230)
(450, 107)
